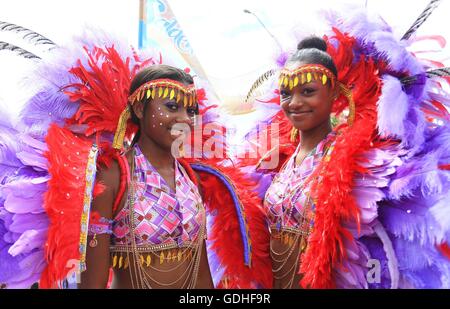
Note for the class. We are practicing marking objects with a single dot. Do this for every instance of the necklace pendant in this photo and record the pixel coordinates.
(93, 243)
(278, 227)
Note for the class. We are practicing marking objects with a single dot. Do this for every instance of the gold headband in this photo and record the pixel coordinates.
(163, 88)
(306, 74)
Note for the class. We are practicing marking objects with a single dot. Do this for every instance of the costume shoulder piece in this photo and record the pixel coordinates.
(399, 179)
(237, 234)
(65, 131)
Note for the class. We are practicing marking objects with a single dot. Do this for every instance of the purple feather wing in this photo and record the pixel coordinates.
(368, 190)
(404, 200)
(23, 222)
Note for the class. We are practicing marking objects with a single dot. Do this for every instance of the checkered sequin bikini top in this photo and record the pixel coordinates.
(287, 203)
(162, 218)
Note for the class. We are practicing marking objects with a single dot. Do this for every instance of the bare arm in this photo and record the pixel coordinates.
(98, 257)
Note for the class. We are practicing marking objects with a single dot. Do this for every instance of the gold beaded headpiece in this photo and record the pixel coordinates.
(306, 74)
(163, 88)
(166, 88)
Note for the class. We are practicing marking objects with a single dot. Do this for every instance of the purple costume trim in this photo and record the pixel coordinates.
(102, 226)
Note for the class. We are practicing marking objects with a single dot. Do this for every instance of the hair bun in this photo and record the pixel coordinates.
(312, 42)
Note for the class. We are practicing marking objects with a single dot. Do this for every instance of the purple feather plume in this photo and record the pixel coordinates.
(23, 220)
(23, 167)
(392, 98)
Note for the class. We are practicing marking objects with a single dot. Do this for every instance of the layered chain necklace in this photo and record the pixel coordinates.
(290, 236)
(293, 237)
(141, 278)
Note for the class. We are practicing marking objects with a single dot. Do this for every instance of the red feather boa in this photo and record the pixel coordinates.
(67, 158)
(334, 202)
(225, 231)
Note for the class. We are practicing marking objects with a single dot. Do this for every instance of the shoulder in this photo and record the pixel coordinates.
(110, 175)
(113, 173)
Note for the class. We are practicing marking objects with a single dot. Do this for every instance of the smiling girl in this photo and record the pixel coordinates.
(308, 89)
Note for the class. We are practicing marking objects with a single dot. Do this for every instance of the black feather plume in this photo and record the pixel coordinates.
(261, 79)
(30, 35)
(439, 72)
(421, 19)
(442, 72)
(18, 50)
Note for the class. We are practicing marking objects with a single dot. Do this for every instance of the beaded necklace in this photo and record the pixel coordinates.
(140, 276)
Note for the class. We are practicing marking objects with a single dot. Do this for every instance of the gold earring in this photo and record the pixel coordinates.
(181, 151)
(294, 134)
(351, 103)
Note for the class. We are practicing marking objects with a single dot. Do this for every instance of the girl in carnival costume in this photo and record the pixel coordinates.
(364, 204)
(89, 183)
